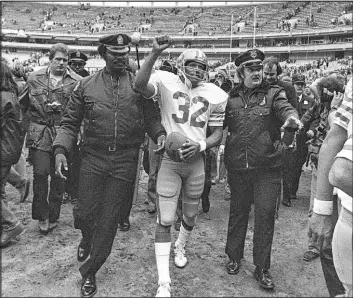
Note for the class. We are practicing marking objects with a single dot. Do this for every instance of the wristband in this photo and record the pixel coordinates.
(202, 145)
(323, 207)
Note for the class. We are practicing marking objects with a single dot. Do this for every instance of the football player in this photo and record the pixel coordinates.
(188, 105)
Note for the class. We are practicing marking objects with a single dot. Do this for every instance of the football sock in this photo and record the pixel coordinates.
(162, 251)
(184, 235)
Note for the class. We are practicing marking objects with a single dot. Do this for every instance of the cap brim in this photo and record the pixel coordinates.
(298, 82)
(77, 60)
(121, 50)
(253, 62)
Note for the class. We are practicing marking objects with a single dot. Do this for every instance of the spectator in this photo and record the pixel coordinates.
(12, 137)
(295, 159)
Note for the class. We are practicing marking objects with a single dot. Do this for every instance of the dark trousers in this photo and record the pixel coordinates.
(292, 170)
(333, 282)
(208, 180)
(71, 184)
(104, 200)
(8, 219)
(44, 206)
(263, 187)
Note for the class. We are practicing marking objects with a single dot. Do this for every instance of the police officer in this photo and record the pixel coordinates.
(296, 159)
(115, 121)
(77, 63)
(253, 158)
(46, 94)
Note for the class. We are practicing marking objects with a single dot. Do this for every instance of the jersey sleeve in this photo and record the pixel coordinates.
(218, 112)
(344, 112)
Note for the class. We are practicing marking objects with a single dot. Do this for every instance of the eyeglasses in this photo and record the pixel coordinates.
(219, 77)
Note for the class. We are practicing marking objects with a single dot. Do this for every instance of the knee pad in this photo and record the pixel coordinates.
(194, 186)
(162, 233)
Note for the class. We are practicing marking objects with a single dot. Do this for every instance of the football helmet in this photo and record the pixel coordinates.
(191, 74)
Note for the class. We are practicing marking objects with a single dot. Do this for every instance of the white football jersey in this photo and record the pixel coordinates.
(185, 110)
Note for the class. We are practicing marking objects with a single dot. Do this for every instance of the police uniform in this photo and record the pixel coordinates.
(253, 158)
(71, 184)
(115, 120)
(295, 160)
(81, 58)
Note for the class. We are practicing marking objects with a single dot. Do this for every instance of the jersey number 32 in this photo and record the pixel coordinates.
(185, 109)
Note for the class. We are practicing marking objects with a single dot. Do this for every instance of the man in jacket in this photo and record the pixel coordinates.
(115, 120)
(253, 158)
(296, 158)
(12, 136)
(46, 94)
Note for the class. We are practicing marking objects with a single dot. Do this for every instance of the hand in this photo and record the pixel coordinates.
(337, 99)
(160, 144)
(320, 227)
(292, 122)
(157, 47)
(60, 161)
(310, 134)
(189, 150)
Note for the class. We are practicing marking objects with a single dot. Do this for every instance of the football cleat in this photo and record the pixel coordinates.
(163, 289)
(179, 256)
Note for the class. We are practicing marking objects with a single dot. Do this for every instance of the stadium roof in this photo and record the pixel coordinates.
(159, 3)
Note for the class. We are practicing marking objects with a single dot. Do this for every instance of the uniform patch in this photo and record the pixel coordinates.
(263, 102)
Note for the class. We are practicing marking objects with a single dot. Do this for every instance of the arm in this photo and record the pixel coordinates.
(332, 144)
(285, 111)
(338, 175)
(70, 122)
(141, 83)
(320, 223)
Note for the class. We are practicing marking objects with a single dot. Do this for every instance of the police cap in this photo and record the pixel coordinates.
(298, 79)
(250, 58)
(77, 57)
(116, 43)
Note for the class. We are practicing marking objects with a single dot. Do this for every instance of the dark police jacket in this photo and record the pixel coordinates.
(12, 131)
(254, 121)
(37, 97)
(114, 116)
